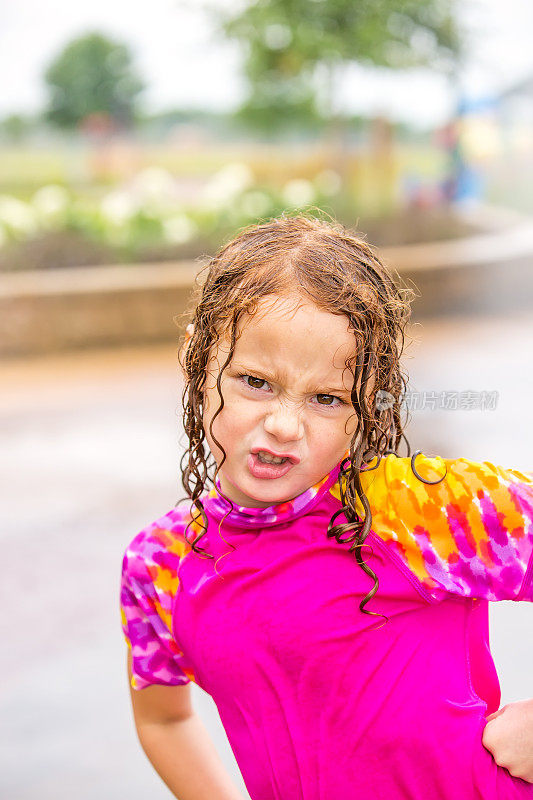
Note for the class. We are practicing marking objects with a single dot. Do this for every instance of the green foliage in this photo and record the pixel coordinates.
(15, 127)
(293, 48)
(146, 213)
(290, 103)
(93, 75)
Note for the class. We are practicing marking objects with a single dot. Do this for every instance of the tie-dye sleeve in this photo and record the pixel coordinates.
(148, 585)
(471, 534)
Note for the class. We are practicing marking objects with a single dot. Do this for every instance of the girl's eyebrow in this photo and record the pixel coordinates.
(269, 376)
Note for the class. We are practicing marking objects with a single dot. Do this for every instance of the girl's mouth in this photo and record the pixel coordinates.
(264, 465)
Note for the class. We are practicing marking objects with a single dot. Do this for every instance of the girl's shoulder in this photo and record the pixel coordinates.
(148, 586)
(151, 560)
(170, 534)
(410, 483)
(459, 525)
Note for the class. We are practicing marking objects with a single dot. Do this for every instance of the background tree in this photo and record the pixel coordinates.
(93, 75)
(15, 127)
(294, 50)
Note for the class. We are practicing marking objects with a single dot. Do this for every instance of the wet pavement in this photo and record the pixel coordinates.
(91, 444)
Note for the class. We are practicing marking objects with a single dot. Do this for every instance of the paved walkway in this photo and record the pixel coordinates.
(93, 450)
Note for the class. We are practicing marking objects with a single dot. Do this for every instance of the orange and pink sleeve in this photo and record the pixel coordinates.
(148, 585)
(471, 534)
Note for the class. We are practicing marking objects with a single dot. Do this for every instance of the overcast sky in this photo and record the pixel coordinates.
(186, 65)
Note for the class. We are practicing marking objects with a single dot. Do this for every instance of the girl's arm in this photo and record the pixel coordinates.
(177, 744)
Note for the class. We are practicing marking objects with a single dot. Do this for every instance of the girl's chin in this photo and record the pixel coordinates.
(255, 492)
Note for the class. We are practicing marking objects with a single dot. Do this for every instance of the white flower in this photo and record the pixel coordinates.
(227, 184)
(18, 216)
(179, 229)
(328, 182)
(298, 192)
(154, 184)
(118, 207)
(50, 202)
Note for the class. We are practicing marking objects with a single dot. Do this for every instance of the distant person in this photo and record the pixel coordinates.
(329, 594)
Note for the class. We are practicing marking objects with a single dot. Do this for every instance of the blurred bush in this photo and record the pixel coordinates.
(145, 218)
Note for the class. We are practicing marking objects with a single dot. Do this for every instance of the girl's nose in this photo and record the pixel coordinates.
(284, 423)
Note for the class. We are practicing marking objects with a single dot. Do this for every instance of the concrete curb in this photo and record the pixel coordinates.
(87, 307)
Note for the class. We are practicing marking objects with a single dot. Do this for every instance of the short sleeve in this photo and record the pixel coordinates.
(149, 582)
(469, 535)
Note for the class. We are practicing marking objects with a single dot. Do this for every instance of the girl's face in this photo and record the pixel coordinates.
(286, 393)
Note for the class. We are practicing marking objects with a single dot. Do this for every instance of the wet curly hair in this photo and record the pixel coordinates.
(341, 273)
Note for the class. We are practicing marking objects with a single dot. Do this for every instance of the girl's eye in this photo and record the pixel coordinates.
(328, 400)
(254, 383)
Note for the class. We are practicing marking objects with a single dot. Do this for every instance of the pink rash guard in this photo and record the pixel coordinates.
(320, 701)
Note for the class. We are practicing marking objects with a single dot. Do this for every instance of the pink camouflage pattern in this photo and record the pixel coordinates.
(148, 586)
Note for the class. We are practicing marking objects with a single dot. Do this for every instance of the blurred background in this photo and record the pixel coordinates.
(135, 140)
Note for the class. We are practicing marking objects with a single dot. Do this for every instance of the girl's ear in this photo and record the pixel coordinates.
(189, 330)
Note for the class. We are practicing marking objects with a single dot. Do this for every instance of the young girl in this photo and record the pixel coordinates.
(328, 593)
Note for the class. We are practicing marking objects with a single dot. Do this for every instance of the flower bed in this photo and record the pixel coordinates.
(156, 217)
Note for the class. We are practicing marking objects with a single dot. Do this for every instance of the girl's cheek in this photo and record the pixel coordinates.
(334, 424)
(350, 425)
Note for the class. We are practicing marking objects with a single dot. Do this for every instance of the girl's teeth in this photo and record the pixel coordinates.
(266, 458)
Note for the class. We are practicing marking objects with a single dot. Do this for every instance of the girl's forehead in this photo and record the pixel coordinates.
(295, 315)
(293, 331)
